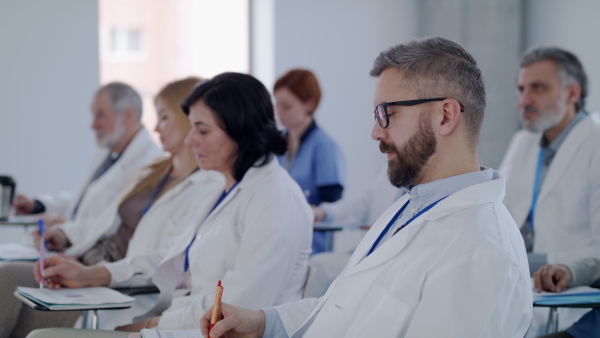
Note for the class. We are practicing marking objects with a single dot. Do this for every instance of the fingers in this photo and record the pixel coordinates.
(537, 280)
(205, 322)
(548, 279)
(553, 278)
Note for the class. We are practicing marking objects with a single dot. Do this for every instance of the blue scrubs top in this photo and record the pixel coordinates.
(319, 162)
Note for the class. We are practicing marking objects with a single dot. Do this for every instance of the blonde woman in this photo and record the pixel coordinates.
(157, 205)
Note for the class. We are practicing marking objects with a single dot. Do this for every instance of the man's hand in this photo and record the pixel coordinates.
(63, 270)
(235, 322)
(553, 278)
(56, 240)
(23, 204)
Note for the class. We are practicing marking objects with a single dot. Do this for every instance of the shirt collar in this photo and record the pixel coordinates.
(308, 131)
(438, 189)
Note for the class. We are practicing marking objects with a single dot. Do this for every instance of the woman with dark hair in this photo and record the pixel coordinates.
(313, 159)
(255, 235)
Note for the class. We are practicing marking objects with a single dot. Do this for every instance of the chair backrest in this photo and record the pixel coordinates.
(323, 269)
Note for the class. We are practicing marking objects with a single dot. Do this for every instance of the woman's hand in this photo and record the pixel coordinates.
(63, 270)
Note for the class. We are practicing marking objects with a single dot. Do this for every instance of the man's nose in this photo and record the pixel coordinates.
(378, 133)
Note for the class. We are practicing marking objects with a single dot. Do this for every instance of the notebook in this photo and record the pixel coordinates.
(74, 299)
(153, 333)
(20, 252)
(571, 296)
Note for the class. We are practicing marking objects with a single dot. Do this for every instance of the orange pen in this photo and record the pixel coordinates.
(216, 307)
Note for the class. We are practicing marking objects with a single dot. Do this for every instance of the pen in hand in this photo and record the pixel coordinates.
(42, 250)
(216, 307)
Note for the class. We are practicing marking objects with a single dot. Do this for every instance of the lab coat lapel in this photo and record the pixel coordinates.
(389, 249)
(565, 154)
(371, 236)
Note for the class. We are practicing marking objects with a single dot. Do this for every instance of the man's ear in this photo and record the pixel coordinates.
(574, 93)
(450, 116)
(129, 118)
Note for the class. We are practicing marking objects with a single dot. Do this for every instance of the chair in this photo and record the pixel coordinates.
(323, 269)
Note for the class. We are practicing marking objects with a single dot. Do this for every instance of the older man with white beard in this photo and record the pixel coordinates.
(125, 146)
(445, 260)
(552, 166)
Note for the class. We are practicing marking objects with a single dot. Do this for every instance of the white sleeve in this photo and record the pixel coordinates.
(134, 271)
(585, 271)
(57, 203)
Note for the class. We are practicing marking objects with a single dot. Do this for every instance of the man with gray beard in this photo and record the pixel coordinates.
(552, 166)
(125, 146)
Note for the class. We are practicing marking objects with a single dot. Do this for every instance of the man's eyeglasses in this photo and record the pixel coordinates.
(381, 115)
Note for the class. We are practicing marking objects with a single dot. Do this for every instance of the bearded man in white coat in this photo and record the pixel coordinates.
(552, 166)
(125, 146)
(445, 260)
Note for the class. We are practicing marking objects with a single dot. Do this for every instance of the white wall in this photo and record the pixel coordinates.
(48, 73)
(571, 25)
(339, 40)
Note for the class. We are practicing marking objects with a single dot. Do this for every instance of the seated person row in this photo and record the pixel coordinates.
(313, 159)
(158, 204)
(552, 166)
(125, 147)
(254, 234)
(453, 264)
(557, 277)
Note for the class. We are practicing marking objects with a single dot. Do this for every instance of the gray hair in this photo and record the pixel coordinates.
(568, 68)
(123, 96)
(436, 67)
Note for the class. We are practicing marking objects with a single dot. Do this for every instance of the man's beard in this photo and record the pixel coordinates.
(405, 167)
(546, 119)
(109, 141)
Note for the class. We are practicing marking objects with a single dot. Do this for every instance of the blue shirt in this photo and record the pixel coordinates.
(318, 163)
(420, 197)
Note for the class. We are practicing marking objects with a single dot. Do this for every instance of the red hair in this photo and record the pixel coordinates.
(302, 83)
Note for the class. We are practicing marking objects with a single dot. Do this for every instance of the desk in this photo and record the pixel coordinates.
(578, 297)
(23, 221)
(330, 227)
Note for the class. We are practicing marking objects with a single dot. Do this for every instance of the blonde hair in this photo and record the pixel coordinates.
(171, 96)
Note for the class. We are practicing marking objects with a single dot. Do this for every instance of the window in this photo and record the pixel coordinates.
(152, 42)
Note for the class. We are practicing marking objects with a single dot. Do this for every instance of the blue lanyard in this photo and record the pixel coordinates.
(393, 220)
(155, 192)
(536, 186)
(186, 264)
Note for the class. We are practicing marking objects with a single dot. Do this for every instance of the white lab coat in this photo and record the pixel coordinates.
(257, 242)
(458, 270)
(99, 194)
(366, 208)
(168, 217)
(567, 216)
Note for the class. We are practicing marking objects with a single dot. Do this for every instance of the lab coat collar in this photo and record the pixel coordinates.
(139, 142)
(196, 177)
(252, 176)
(478, 194)
(566, 152)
